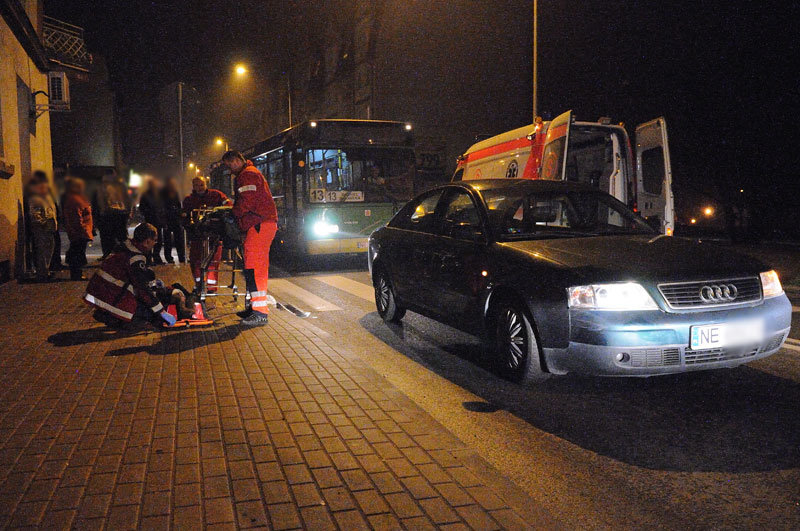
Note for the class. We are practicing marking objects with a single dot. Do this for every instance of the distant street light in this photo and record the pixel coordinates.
(693, 221)
(241, 71)
(708, 211)
(222, 142)
(741, 190)
(191, 165)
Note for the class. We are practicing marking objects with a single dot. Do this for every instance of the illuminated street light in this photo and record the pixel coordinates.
(222, 142)
(741, 190)
(408, 127)
(693, 221)
(241, 70)
(191, 165)
(708, 211)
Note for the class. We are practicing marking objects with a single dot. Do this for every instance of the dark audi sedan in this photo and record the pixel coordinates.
(559, 277)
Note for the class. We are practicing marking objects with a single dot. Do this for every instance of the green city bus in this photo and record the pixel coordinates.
(336, 181)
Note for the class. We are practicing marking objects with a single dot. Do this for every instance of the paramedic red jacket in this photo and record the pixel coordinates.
(121, 284)
(212, 198)
(254, 203)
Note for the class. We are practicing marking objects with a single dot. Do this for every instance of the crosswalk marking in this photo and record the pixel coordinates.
(352, 287)
(281, 288)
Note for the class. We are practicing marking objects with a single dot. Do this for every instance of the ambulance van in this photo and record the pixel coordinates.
(596, 153)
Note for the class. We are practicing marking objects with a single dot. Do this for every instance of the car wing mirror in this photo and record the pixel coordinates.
(466, 231)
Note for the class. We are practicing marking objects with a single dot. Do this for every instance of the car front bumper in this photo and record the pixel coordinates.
(656, 342)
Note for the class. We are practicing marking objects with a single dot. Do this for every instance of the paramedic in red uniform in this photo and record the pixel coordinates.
(203, 197)
(257, 217)
(120, 291)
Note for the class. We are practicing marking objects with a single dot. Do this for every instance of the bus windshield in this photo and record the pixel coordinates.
(369, 174)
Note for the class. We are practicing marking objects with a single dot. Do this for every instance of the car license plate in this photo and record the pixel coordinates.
(723, 335)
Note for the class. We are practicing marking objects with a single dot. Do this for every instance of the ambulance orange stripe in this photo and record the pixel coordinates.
(499, 148)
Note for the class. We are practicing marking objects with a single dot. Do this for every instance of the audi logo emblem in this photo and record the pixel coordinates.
(718, 293)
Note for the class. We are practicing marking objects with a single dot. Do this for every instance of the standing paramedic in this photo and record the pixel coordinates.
(257, 217)
(202, 197)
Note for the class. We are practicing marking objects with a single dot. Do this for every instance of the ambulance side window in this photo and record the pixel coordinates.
(459, 175)
(553, 159)
(653, 170)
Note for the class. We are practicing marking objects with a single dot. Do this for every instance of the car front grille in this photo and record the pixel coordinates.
(711, 293)
(696, 357)
(773, 342)
(655, 357)
(671, 356)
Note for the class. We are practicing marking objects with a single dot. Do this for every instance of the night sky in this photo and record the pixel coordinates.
(724, 74)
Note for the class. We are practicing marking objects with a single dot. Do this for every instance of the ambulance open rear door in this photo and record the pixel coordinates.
(554, 156)
(654, 176)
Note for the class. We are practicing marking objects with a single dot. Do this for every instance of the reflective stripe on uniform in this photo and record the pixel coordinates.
(100, 304)
(255, 294)
(108, 278)
(157, 308)
(247, 188)
(258, 304)
(211, 281)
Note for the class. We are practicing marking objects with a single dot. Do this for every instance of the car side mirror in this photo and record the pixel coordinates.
(466, 231)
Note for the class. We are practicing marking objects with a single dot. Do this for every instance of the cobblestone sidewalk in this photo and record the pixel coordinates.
(219, 427)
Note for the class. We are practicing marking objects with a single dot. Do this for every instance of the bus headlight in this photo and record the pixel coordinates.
(323, 228)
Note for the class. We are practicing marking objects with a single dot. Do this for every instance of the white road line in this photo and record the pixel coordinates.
(281, 287)
(792, 346)
(352, 287)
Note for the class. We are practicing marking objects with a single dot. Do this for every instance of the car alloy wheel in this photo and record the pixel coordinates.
(515, 343)
(385, 301)
(512, 339)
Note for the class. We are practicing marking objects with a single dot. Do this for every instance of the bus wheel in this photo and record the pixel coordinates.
(385, 301)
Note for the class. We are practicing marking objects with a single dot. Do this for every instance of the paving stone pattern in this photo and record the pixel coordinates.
(219, 427)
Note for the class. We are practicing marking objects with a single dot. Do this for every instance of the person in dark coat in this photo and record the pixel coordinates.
(151, 206)
(173, 229)
(111, 210)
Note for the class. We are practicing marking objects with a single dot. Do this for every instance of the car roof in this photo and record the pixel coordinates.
(528, 185)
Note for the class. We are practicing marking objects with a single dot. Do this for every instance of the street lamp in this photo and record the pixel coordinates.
(222, 142)
(241, 70)
(191, 165)
(708, 211)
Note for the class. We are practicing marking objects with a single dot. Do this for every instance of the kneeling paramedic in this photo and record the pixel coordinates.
(121, 290)
(257, 217)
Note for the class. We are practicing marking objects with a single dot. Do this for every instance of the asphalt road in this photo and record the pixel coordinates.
(709, 449)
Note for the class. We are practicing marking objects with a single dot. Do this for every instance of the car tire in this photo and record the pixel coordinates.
(385, 301)
(515, 347)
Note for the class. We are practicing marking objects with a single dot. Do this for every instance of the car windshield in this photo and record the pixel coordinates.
(518, 214)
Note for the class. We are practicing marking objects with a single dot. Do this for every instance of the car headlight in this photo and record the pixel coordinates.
(623, 296)
(771, 284)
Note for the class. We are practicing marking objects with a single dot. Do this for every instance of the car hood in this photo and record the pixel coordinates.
(639, 257)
